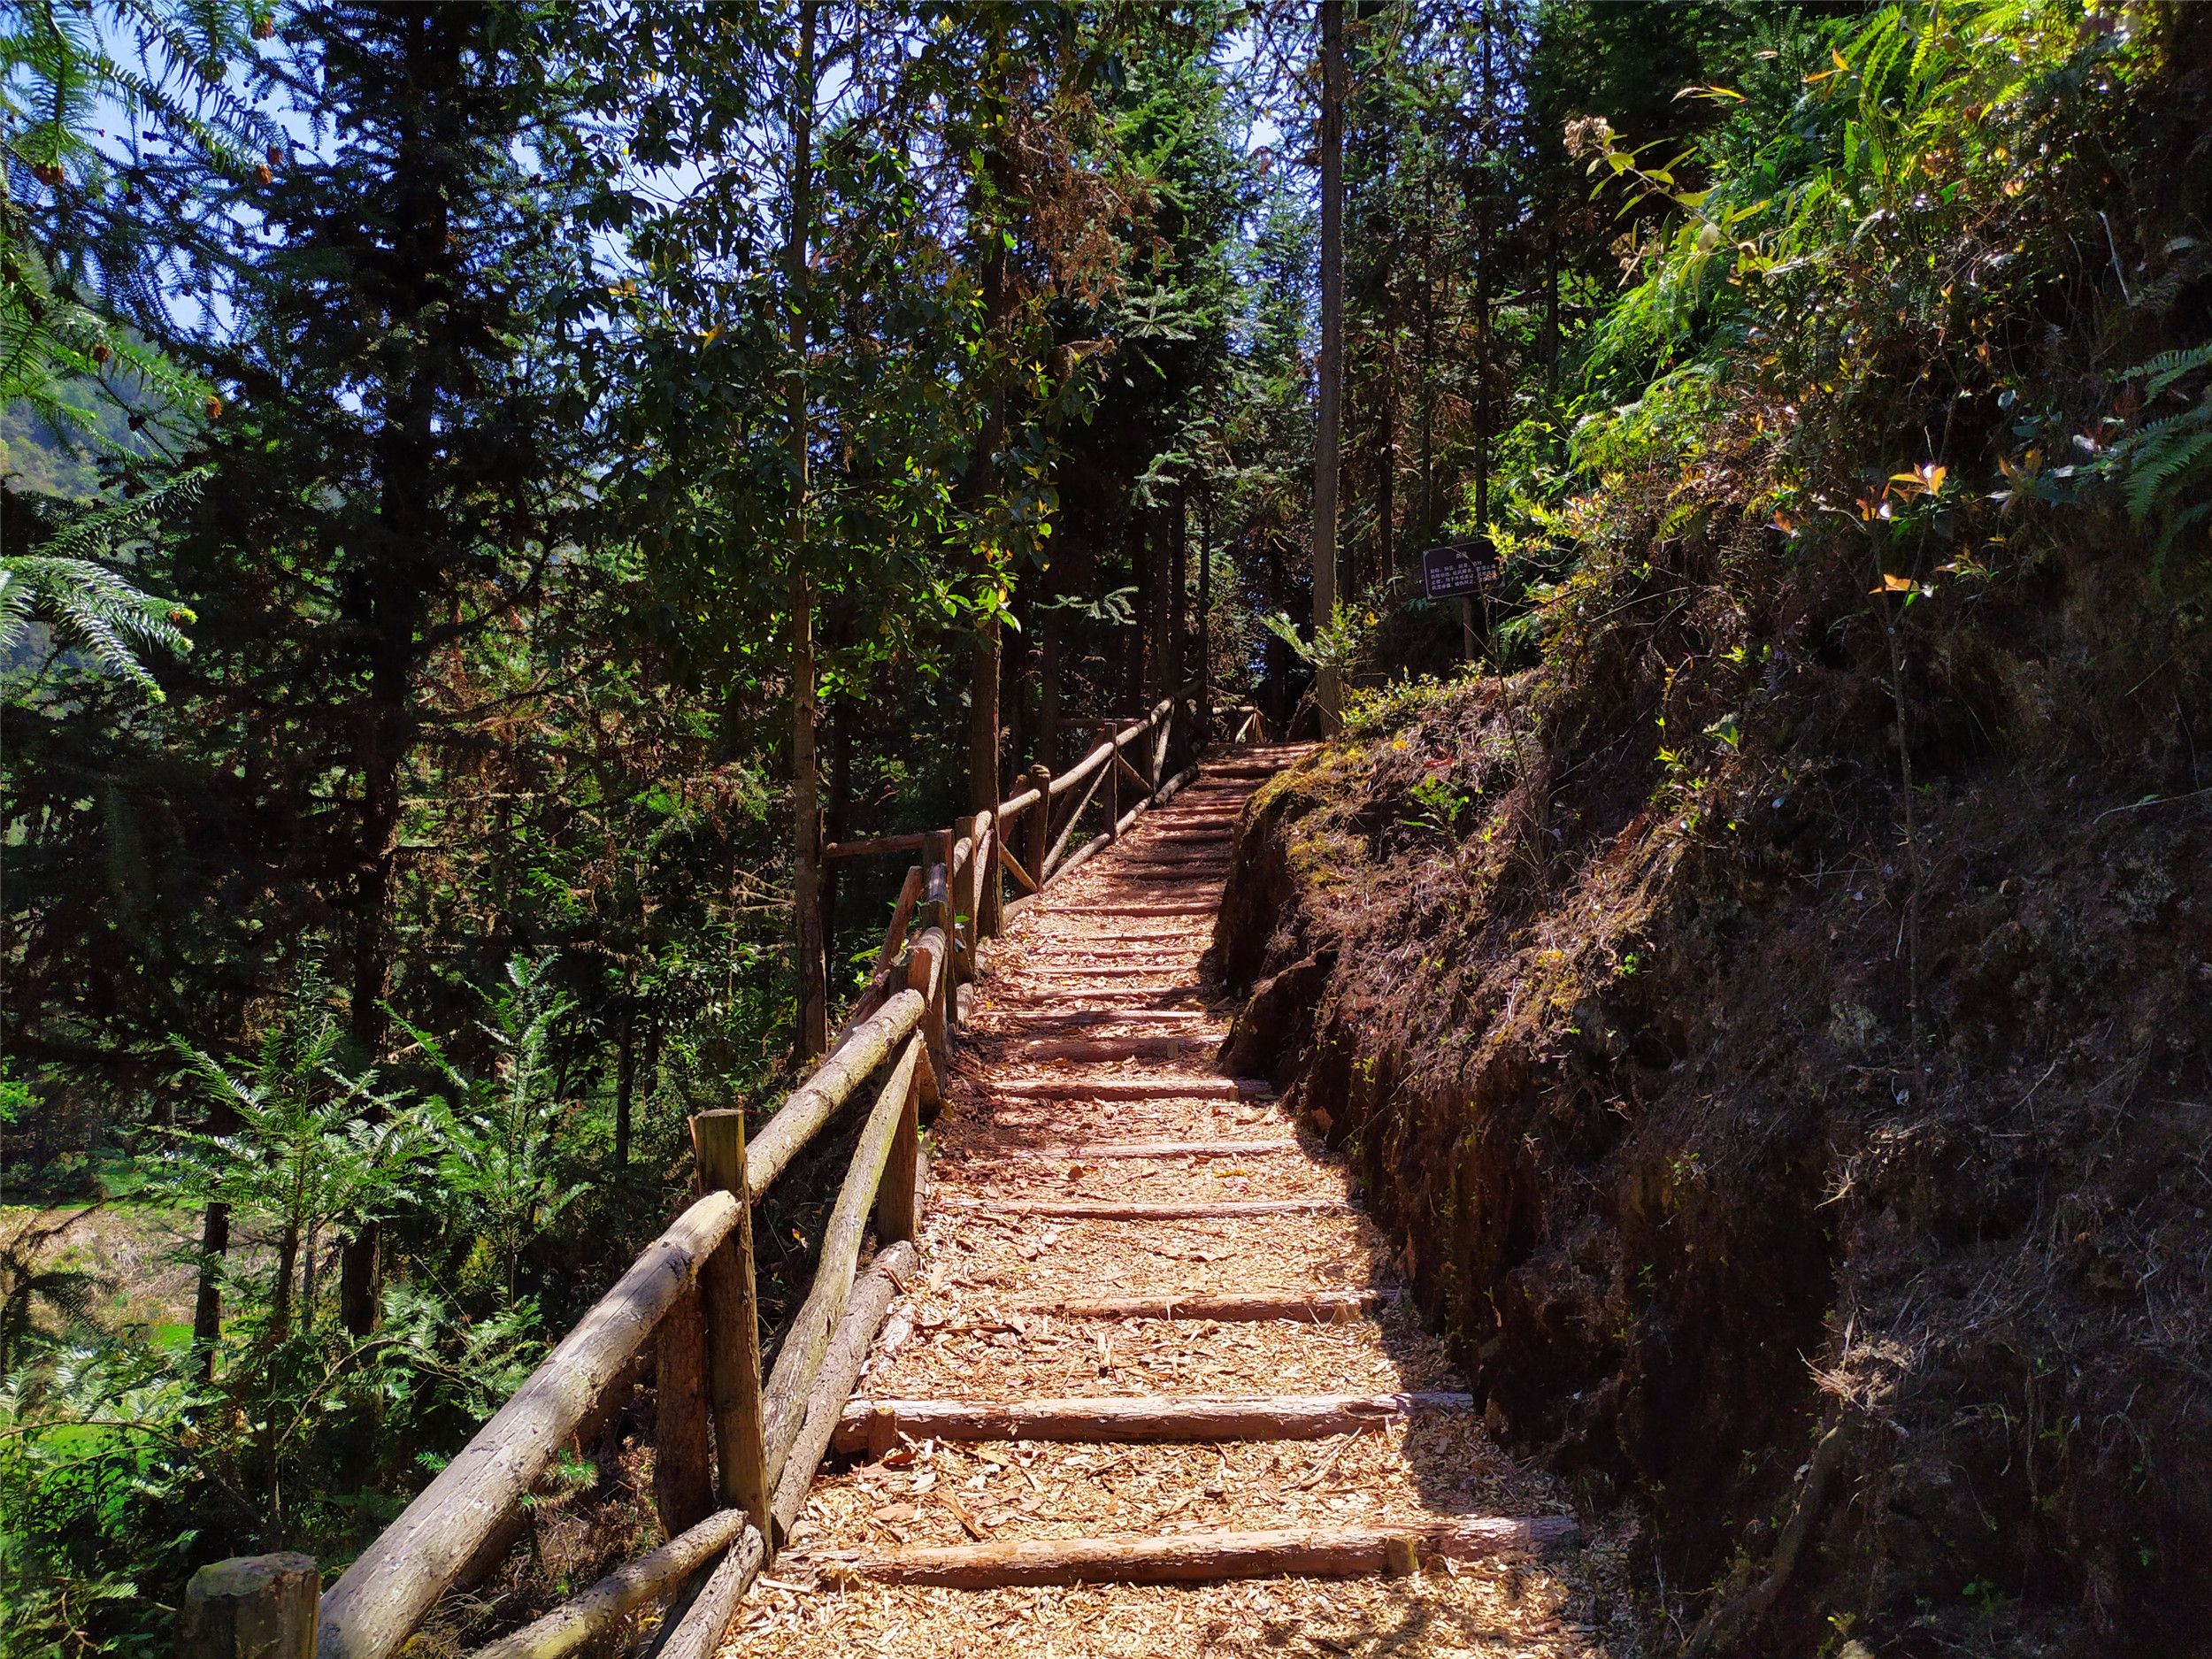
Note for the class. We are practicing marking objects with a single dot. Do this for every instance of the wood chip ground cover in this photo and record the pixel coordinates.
(971, 1330)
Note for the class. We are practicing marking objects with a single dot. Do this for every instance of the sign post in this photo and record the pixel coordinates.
(1459, 570)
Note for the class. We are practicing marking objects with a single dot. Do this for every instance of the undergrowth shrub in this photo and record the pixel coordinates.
(1933, 238)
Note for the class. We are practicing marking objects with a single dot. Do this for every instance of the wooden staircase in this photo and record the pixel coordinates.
(1152, 1342)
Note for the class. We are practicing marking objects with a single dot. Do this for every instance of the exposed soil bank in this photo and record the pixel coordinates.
(1822, 1183)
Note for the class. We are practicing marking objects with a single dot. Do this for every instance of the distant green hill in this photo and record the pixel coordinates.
(35, 459)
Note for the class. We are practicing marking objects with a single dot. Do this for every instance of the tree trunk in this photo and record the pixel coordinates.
(1484, 288)
(1327, 436)
(811, 968)
(839, 818)
(626, 1071)
(1177, 588)
(1205, 613)
(207, 1302)
(389, 598)
(1386, 468)
(1551, 300)
(983, 723)
(1049, 672)
(1429, 518)
(1015, 680)
(981, 482)
(1132, 690)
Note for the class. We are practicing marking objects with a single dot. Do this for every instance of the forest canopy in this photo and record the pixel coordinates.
(493, 491)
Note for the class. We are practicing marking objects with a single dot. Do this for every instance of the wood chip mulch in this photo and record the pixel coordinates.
(970, 1331)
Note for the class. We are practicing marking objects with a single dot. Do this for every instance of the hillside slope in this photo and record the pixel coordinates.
(1916, 1342)
(1775, 1025)
(1639, 1093)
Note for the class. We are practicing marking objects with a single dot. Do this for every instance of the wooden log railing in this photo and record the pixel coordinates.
(741, 1450)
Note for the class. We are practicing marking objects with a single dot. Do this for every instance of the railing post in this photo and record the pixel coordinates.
(941, 903)
(252, 1607)
(898, 1200)
(921, 970)
(990, 896)
(683, 1455)
(1113, 780)
(732, 1336)
(1039, 835)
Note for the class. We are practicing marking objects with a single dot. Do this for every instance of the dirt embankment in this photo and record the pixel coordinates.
(1813, 1166)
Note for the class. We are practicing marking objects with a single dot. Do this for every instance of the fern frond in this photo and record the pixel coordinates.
(2161, 470)
(2168, 367)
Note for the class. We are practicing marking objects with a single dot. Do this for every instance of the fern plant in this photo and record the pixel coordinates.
(499, 1162)
(2164, 466)
(42, 1294)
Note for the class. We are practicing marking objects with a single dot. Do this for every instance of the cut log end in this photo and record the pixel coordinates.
(251, 1606)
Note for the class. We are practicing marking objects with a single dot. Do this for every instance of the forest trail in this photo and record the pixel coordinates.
(1092, 1173)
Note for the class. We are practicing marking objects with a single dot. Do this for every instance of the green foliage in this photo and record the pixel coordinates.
(1336, 646)
(1437, 805)
(2164, 464)
(500, 1170)
(41, 1296)
(116, 1451)
(316, 1149)
(67, 74)
(1371, 710)
(73, 584)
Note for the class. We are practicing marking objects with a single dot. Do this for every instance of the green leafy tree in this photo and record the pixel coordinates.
(81, 280)
(307, 1160)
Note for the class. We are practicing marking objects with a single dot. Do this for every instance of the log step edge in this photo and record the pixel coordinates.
(1132, 1419)
(1197, 1557)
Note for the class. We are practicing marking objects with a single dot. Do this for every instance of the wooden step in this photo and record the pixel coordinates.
(1211, 1086)
(1106, 1050)
(1143, 908)
(1079, 1151)
(1308, 1307)
(1130, 1420)
(1107, 1017)
(1179, 886)
(1110, 971)
(1151, 881)
(1121, 1209)
(1149, 939)
(1326, 1552)
(1136, 996)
